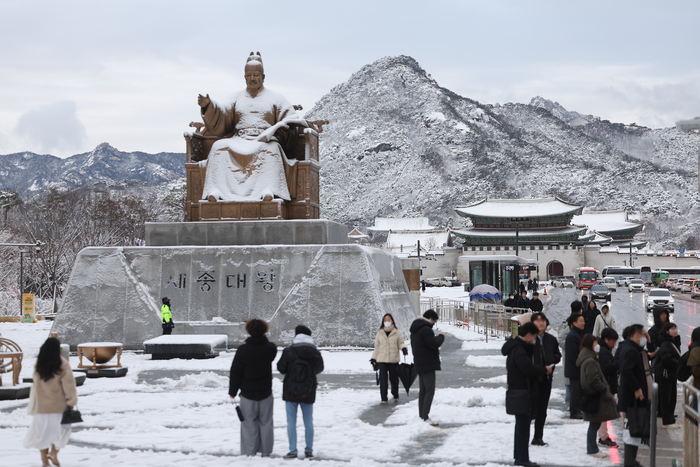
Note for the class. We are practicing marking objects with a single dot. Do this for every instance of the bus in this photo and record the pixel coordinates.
(693, 271)
(658, 276)
(645, 273)
(586, 277)
(621, 272)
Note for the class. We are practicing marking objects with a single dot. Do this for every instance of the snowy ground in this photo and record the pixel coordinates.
(178, 412)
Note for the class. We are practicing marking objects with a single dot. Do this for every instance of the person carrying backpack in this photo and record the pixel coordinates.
(300, 363)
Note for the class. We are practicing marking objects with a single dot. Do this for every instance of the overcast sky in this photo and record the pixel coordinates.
(79, 73)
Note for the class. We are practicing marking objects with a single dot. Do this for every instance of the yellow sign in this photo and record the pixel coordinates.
(28, 308)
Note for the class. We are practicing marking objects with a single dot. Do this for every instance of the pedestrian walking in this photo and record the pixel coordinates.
(590, 314)
(166, 315)
(545, 354)
(610, 368)
(599, 404)
(521, 371)
(584, 302)
(426, 356)
(668, 358)
(535, 304)
(603, 321)
(300, 363)
(571, 371)
(633, 384)
(251, 374)
(388, 346)
(53, 391)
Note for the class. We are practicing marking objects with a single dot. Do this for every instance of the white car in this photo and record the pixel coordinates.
(566, 283)
(636, 285)
(610, 282)
(624, 281)
(660, 298)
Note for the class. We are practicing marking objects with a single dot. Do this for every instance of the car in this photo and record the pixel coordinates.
(600, 292)
(624, 281)
(610, 282)
(567, 284)
(455, 282)
(438, 282)
(660, 298)
(695, 293)
(557, 282)
(636, 285)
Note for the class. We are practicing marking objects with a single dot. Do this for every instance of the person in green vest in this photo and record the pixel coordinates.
(167, 316)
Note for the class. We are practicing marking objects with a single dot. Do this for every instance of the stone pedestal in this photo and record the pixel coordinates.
(103, 372)
(340, 291)
(11, 393)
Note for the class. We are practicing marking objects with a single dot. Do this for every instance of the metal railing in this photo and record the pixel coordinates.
(691, 434)
(491, 320)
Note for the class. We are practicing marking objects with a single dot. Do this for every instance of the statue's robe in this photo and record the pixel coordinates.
(249, 163)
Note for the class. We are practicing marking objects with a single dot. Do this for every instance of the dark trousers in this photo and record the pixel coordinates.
(168, 328)
(426, 393)
(522, 438)
(575, 393)
(667, 400)
(544, 390)
(630, 455)
(388, 372)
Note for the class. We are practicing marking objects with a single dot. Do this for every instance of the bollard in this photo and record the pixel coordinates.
(652, 434)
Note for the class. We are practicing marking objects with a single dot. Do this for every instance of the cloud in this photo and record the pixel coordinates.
(52, 128)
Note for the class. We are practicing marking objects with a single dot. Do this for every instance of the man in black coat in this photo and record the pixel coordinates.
(571, 371)
(521, 372)
(523, 300)
(511, 302)
(546, 354)
(633, 381)
(535, 304)
(426, 356)
(610, 368)
(299, 387)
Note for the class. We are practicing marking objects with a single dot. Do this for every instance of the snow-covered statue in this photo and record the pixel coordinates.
(248, 163)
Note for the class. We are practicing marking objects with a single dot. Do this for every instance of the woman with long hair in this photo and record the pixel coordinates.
(54, 392)
(388, 344)
(594, 386)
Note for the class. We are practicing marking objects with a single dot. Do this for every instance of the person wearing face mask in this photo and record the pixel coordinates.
(426, 356)
(604, 320)
(590, 314)
(387, 345)
(521, 372)
(660, 318)
(668, 357)
(511, 302)
(633, 384)
(594, 384)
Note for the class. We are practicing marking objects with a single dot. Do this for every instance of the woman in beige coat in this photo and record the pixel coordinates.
(54, 391)
(387, 347)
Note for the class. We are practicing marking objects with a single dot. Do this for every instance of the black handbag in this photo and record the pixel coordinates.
(517, 402)
(240, 414)
(588, 402)
(71, 416)
(639, 420)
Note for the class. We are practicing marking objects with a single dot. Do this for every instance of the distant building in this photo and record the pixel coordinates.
(356, 236)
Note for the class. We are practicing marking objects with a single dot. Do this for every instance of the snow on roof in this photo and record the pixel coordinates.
(510, 258)
(429, 240)
(518, 207)
(605, 221)
(356, 234)
(472, 232)
(385, 224)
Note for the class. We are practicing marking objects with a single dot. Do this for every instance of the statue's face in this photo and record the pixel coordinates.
(254, 77)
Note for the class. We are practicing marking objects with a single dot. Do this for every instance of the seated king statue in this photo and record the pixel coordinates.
(248, 164)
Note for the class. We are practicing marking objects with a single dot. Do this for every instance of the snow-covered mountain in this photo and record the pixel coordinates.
(29, 173)
(400, 145)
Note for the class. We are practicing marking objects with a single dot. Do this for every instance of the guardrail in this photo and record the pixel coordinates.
(691, 434)
(491, 320)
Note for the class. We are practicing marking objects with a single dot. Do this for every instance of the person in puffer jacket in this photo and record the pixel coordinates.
(388, 345)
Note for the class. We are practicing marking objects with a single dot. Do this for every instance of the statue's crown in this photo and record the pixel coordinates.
(254, 59)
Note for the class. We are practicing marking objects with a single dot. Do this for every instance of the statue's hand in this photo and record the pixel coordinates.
(203, 101)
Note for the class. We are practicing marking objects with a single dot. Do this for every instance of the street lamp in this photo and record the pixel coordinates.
(37, 248)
